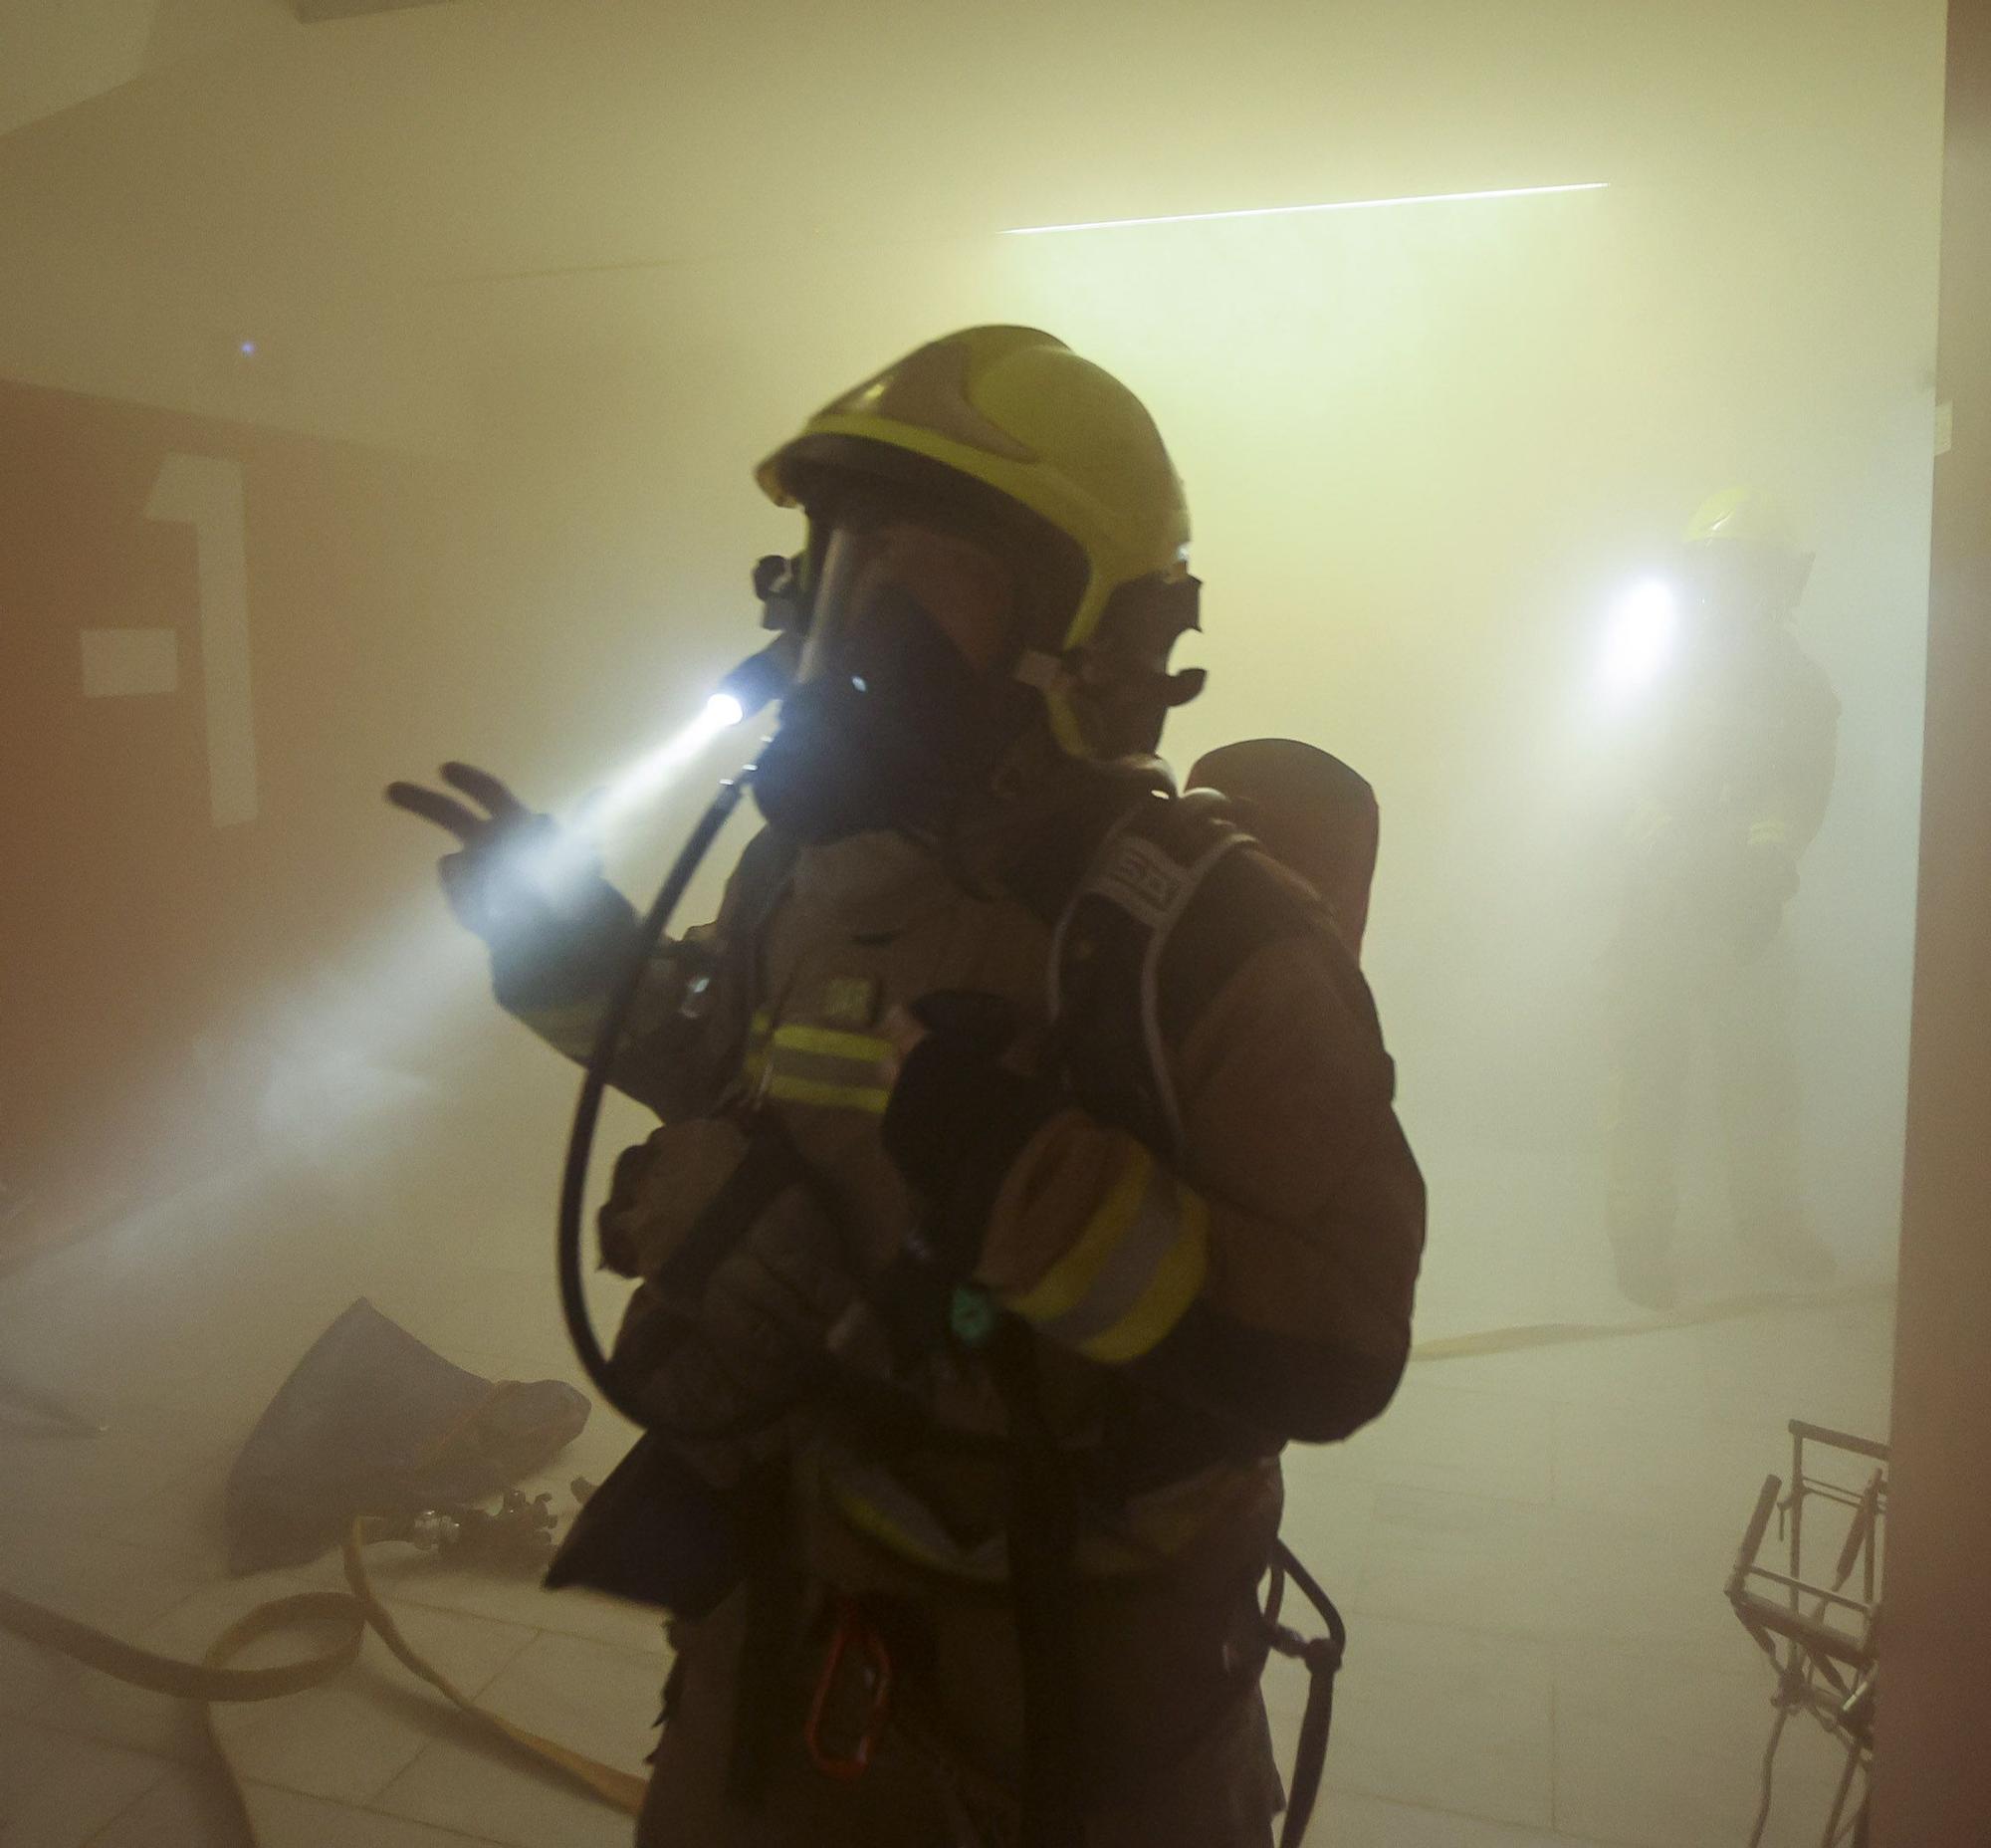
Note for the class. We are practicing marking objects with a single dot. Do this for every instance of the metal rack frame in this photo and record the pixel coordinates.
(1822, 1641)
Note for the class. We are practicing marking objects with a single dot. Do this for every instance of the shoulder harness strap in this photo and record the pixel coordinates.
(1106, 956)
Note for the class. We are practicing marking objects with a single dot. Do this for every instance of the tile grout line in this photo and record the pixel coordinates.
(167, 1767)
(373, 1804)
(516, 1623)
(368, 1810)
(1555, 1729)
(445, 1709)
(1464, 1815)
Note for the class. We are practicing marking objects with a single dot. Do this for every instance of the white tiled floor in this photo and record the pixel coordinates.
(564, 1687)
(1437, 1715)
(349, 1741)
(57, 1790)
(1530, 1550)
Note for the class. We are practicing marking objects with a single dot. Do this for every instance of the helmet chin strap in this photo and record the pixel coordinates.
(1120, 701)
(1110, 693)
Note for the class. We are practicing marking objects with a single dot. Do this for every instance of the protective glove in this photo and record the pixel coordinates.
(1762, 884)
(530, 888)
(745, 1275)
(664, 1188)
(959, 1117)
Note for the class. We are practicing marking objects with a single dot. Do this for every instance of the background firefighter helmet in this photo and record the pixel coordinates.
(1745, 556)
(1058, 465)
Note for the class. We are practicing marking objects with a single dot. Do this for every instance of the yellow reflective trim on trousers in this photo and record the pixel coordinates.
(828, 1042)
(871, 1098)
(1766, 833)
(1064, 1285)
(1155, 1526)
(873, 1521)
(877, 1504)
(1175, 1285)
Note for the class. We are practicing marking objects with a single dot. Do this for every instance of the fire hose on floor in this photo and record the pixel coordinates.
(349, 1615)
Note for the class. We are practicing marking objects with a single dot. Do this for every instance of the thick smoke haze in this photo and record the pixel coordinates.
(509, 375)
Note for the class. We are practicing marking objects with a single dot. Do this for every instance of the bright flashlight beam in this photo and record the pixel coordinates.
(555, 866)
(1334, 205)
(343, 1051)
(644, 778)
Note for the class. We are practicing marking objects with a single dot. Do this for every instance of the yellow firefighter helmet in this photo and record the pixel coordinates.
(1019, 412)
(1744, 516)
(1748, 540)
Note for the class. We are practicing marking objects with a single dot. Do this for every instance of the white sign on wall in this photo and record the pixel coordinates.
(205, 493)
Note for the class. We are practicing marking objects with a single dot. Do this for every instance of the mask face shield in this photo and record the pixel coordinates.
(906, 694)
(1738, 582)
(874, 567)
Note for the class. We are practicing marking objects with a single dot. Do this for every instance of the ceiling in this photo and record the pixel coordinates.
(492, 137)
(367, 191)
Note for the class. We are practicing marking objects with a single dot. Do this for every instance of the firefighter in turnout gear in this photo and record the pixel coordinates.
(1028, 1173)
(1733, 754)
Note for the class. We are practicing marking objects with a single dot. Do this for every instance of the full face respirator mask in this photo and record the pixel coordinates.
(905, 695)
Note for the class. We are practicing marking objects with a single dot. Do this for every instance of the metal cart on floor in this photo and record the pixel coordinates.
(1822, 1637)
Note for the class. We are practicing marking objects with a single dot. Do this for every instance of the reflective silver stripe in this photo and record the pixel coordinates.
(1148, 1280)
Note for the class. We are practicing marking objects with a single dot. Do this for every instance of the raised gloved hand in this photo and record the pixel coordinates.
(530, 888)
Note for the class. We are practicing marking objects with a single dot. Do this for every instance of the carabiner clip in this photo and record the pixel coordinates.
(852, 1632)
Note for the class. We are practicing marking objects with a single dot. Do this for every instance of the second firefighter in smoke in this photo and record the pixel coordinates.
(1731, 744)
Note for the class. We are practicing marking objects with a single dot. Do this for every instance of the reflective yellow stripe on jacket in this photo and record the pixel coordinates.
(818, 1066)
(1132, 1272)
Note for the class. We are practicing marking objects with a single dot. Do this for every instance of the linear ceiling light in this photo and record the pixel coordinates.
(1287, 211)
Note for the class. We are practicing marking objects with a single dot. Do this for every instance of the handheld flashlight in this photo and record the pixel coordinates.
(1640, 639)
(758, 682)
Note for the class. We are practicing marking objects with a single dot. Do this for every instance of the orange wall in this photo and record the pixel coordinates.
(133, 927)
